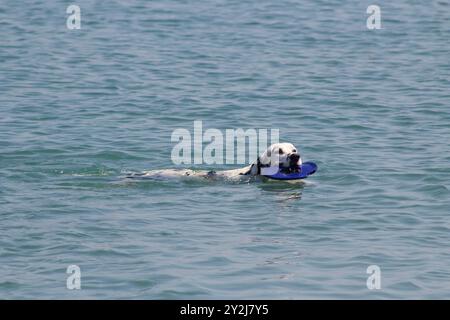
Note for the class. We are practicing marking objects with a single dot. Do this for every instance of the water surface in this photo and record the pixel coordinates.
(81, 108)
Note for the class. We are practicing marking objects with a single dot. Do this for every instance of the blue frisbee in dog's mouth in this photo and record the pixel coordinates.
(300, 172)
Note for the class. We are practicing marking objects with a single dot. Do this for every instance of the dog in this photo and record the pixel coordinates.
(278, 156)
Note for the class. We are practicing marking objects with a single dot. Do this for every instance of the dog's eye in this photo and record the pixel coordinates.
(280, 151)
(294, 150)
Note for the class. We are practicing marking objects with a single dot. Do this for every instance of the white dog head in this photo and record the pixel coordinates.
(280, 155)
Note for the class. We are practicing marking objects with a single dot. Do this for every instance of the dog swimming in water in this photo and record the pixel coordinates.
(283, 156)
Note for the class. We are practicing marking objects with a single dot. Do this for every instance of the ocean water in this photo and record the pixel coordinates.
(79, 109)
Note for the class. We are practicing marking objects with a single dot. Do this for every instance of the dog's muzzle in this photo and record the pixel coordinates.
(293, 164)
(293, 159)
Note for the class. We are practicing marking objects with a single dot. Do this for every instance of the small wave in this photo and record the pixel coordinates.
(93, 171)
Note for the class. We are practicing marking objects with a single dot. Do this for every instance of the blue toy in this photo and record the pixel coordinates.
(305, 170)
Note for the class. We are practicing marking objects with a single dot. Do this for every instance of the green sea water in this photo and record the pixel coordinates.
(80, 109)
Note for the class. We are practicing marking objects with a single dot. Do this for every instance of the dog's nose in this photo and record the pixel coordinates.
(294, 157)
